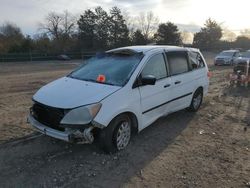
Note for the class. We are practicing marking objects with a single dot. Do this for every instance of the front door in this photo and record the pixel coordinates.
(154, 98)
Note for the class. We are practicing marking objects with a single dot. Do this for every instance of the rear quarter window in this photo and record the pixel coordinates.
(196, 60)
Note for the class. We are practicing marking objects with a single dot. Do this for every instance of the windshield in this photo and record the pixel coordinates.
(227, 54)
(109, 68)
(246, 54)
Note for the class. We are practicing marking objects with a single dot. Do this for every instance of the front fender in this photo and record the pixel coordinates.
(124, 100)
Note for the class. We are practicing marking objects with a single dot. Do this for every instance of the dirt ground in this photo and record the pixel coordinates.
(210, 148)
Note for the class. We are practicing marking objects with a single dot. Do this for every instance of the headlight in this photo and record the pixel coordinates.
(82, 115)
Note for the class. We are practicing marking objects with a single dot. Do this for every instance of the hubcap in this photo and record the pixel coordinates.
(123, 135)
(197, 101)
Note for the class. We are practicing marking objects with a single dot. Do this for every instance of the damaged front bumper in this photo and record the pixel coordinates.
(69, 135)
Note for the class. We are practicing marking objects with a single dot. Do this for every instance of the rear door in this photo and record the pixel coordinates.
(182, 80)
(154, 97)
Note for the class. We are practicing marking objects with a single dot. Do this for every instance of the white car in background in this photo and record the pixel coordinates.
(227, 57)
(119, 92)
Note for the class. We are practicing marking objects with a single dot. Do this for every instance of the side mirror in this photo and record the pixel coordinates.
(148, 80)
(194, 66)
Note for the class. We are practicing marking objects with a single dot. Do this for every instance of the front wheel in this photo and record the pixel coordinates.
(231, 63)
(196, 101)
(117, 135)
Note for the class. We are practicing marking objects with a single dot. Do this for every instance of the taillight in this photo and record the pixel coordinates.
(209, 74)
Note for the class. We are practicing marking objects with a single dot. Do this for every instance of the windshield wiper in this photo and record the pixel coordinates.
(92, 80)
(70, 76)
(107, 83)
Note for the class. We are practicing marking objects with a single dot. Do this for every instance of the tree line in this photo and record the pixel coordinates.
(98, 29)
(210, 38)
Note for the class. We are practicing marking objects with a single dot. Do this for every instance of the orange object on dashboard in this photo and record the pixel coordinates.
(101, 78)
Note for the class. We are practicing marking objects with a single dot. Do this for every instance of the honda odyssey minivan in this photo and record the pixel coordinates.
(119, 92)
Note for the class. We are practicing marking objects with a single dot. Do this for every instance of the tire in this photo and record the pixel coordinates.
(196, 101)
(117, 135)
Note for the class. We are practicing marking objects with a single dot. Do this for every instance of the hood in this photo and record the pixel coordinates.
(243, 59)
(70, 93)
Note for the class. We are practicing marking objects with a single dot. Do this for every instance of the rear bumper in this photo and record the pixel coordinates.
(49, 131)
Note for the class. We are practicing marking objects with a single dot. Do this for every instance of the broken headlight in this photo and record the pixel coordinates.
(81, 115)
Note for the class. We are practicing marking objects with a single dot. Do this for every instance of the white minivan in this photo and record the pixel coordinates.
(119, 92)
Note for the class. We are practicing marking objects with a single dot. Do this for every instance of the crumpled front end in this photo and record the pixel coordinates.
(63, 124)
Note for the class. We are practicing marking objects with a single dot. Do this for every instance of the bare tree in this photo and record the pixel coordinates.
(52, 25)
(10, 29)
(68, 23)
(245, 33)
(148, 24)
(228, 35)
(130, 22)
(57, 24)
(187, 37)
(11, 37)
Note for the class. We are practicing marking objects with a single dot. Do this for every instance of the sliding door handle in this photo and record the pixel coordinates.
(167, 85)
(177, 82)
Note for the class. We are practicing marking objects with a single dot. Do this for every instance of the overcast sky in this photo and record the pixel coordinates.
(188, 13)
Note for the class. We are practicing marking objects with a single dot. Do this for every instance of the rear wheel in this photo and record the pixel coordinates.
(196, 101)
(117, 135)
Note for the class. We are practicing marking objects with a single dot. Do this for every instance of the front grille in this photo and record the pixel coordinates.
(220, 61)
(48, 116)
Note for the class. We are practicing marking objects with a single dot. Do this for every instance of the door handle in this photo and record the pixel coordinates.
(167, 85)
(177, 82)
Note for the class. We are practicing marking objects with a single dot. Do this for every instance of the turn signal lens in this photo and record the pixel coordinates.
(209, 74)
(94, 109)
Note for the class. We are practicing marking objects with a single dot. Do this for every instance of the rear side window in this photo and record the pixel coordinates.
(196, 60)
(155, 66)
(178, 62)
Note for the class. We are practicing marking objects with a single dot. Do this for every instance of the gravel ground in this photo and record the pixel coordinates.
(210, 148)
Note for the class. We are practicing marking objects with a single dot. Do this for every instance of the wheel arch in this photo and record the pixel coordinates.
(133, 118)
(200, 88)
